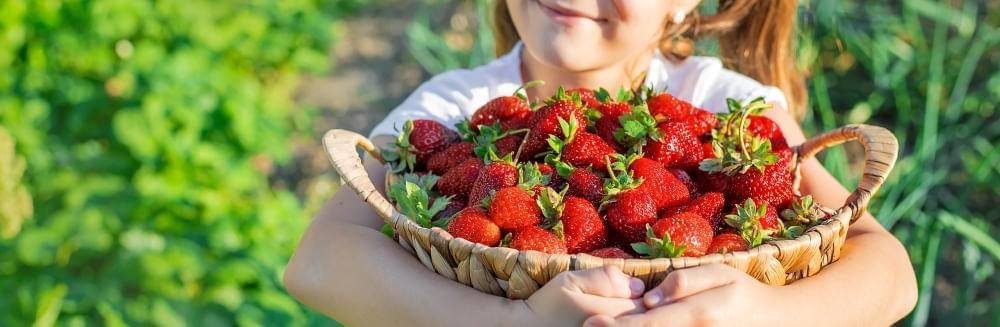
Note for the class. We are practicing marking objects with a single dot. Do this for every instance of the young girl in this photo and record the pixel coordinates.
(348, 270)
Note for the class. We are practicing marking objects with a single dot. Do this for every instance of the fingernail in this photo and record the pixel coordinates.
(653, 298)
(636, 286)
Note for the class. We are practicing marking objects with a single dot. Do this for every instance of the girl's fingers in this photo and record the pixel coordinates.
(700, 310)
(610, 306)
(689, 281)
(607, 281)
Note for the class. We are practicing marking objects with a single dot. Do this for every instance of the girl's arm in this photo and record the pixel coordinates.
(346, 269)
(872, 284)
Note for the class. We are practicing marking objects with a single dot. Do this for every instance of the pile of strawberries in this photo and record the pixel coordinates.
(639, 174)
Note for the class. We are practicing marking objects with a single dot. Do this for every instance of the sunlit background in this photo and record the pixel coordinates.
(160, 159)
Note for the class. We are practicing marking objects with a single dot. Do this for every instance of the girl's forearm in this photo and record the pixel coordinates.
(872, 284)
(358, 276)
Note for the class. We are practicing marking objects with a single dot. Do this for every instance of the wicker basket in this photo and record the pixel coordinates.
(517, 274)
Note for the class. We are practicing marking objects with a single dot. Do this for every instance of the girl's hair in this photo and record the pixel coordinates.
(756, 38)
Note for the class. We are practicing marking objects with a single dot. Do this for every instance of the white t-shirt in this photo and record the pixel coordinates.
(451, 96)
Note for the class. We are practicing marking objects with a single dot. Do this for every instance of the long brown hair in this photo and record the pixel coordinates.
(756, 38)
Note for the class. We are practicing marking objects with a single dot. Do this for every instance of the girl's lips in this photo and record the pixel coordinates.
(566, 15)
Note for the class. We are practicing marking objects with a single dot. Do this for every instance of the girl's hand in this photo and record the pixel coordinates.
(572, 296)
(708, 295)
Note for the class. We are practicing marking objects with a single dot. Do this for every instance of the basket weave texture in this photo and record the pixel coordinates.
(518, 274)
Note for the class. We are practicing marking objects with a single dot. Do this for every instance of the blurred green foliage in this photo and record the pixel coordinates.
(927, 69)
(149, 129)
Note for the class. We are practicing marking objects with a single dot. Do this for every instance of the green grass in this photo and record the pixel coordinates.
(928, 70)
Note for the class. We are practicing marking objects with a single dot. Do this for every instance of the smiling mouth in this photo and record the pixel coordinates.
(566, 15)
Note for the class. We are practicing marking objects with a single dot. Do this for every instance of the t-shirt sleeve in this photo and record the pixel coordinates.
(431, 100)
(771, 94)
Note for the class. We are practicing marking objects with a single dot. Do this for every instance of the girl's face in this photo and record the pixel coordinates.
(582, 35)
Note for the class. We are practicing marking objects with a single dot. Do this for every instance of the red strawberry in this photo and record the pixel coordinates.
(473, 225)
(538, 239)
(419, 140)
(709, 206)
(611, 253)
(586, 96)
(711, 182)
(679, 147)
(766, 128)
(686, 179)
(772, 185)
(582, 226)
(770, 219)
(701, 121)
(685, 230)
(586, 184)
(492, 177)
(508, 145)
(512, 110)
(665, 105)
(586, 149)
(545, 122)
(459, 180)
(452, 156)
(513, 208)
(754, 222)
(630, 214)
(663, 186)
(728, 243)
(555, 181)
(606, 127)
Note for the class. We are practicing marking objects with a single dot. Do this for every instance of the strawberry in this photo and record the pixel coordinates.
(773, 185)
(513, 207)
(663, 186)
(511, 111)
(766, 128)
(701, 121)
(630, 209)
(611, 253)
(686, 179)
(537, 239)
(576, 147)
(684, 234)
(586, 184)
(492, 177)
(474, 225)
(583, 227)
(496, 140)
(508, 144)
(419, 140)
(586, 149)
(555, 180)
(678, 148)
(452, 156)
(459, 180)
(728, 243)
(756, 172)
(545, 122)
(630, 213)
(755, 223)
(665, 105)
(708, 206)
(586, 95)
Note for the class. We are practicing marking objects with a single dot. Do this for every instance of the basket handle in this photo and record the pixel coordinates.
(881, 149)
(342, 149)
